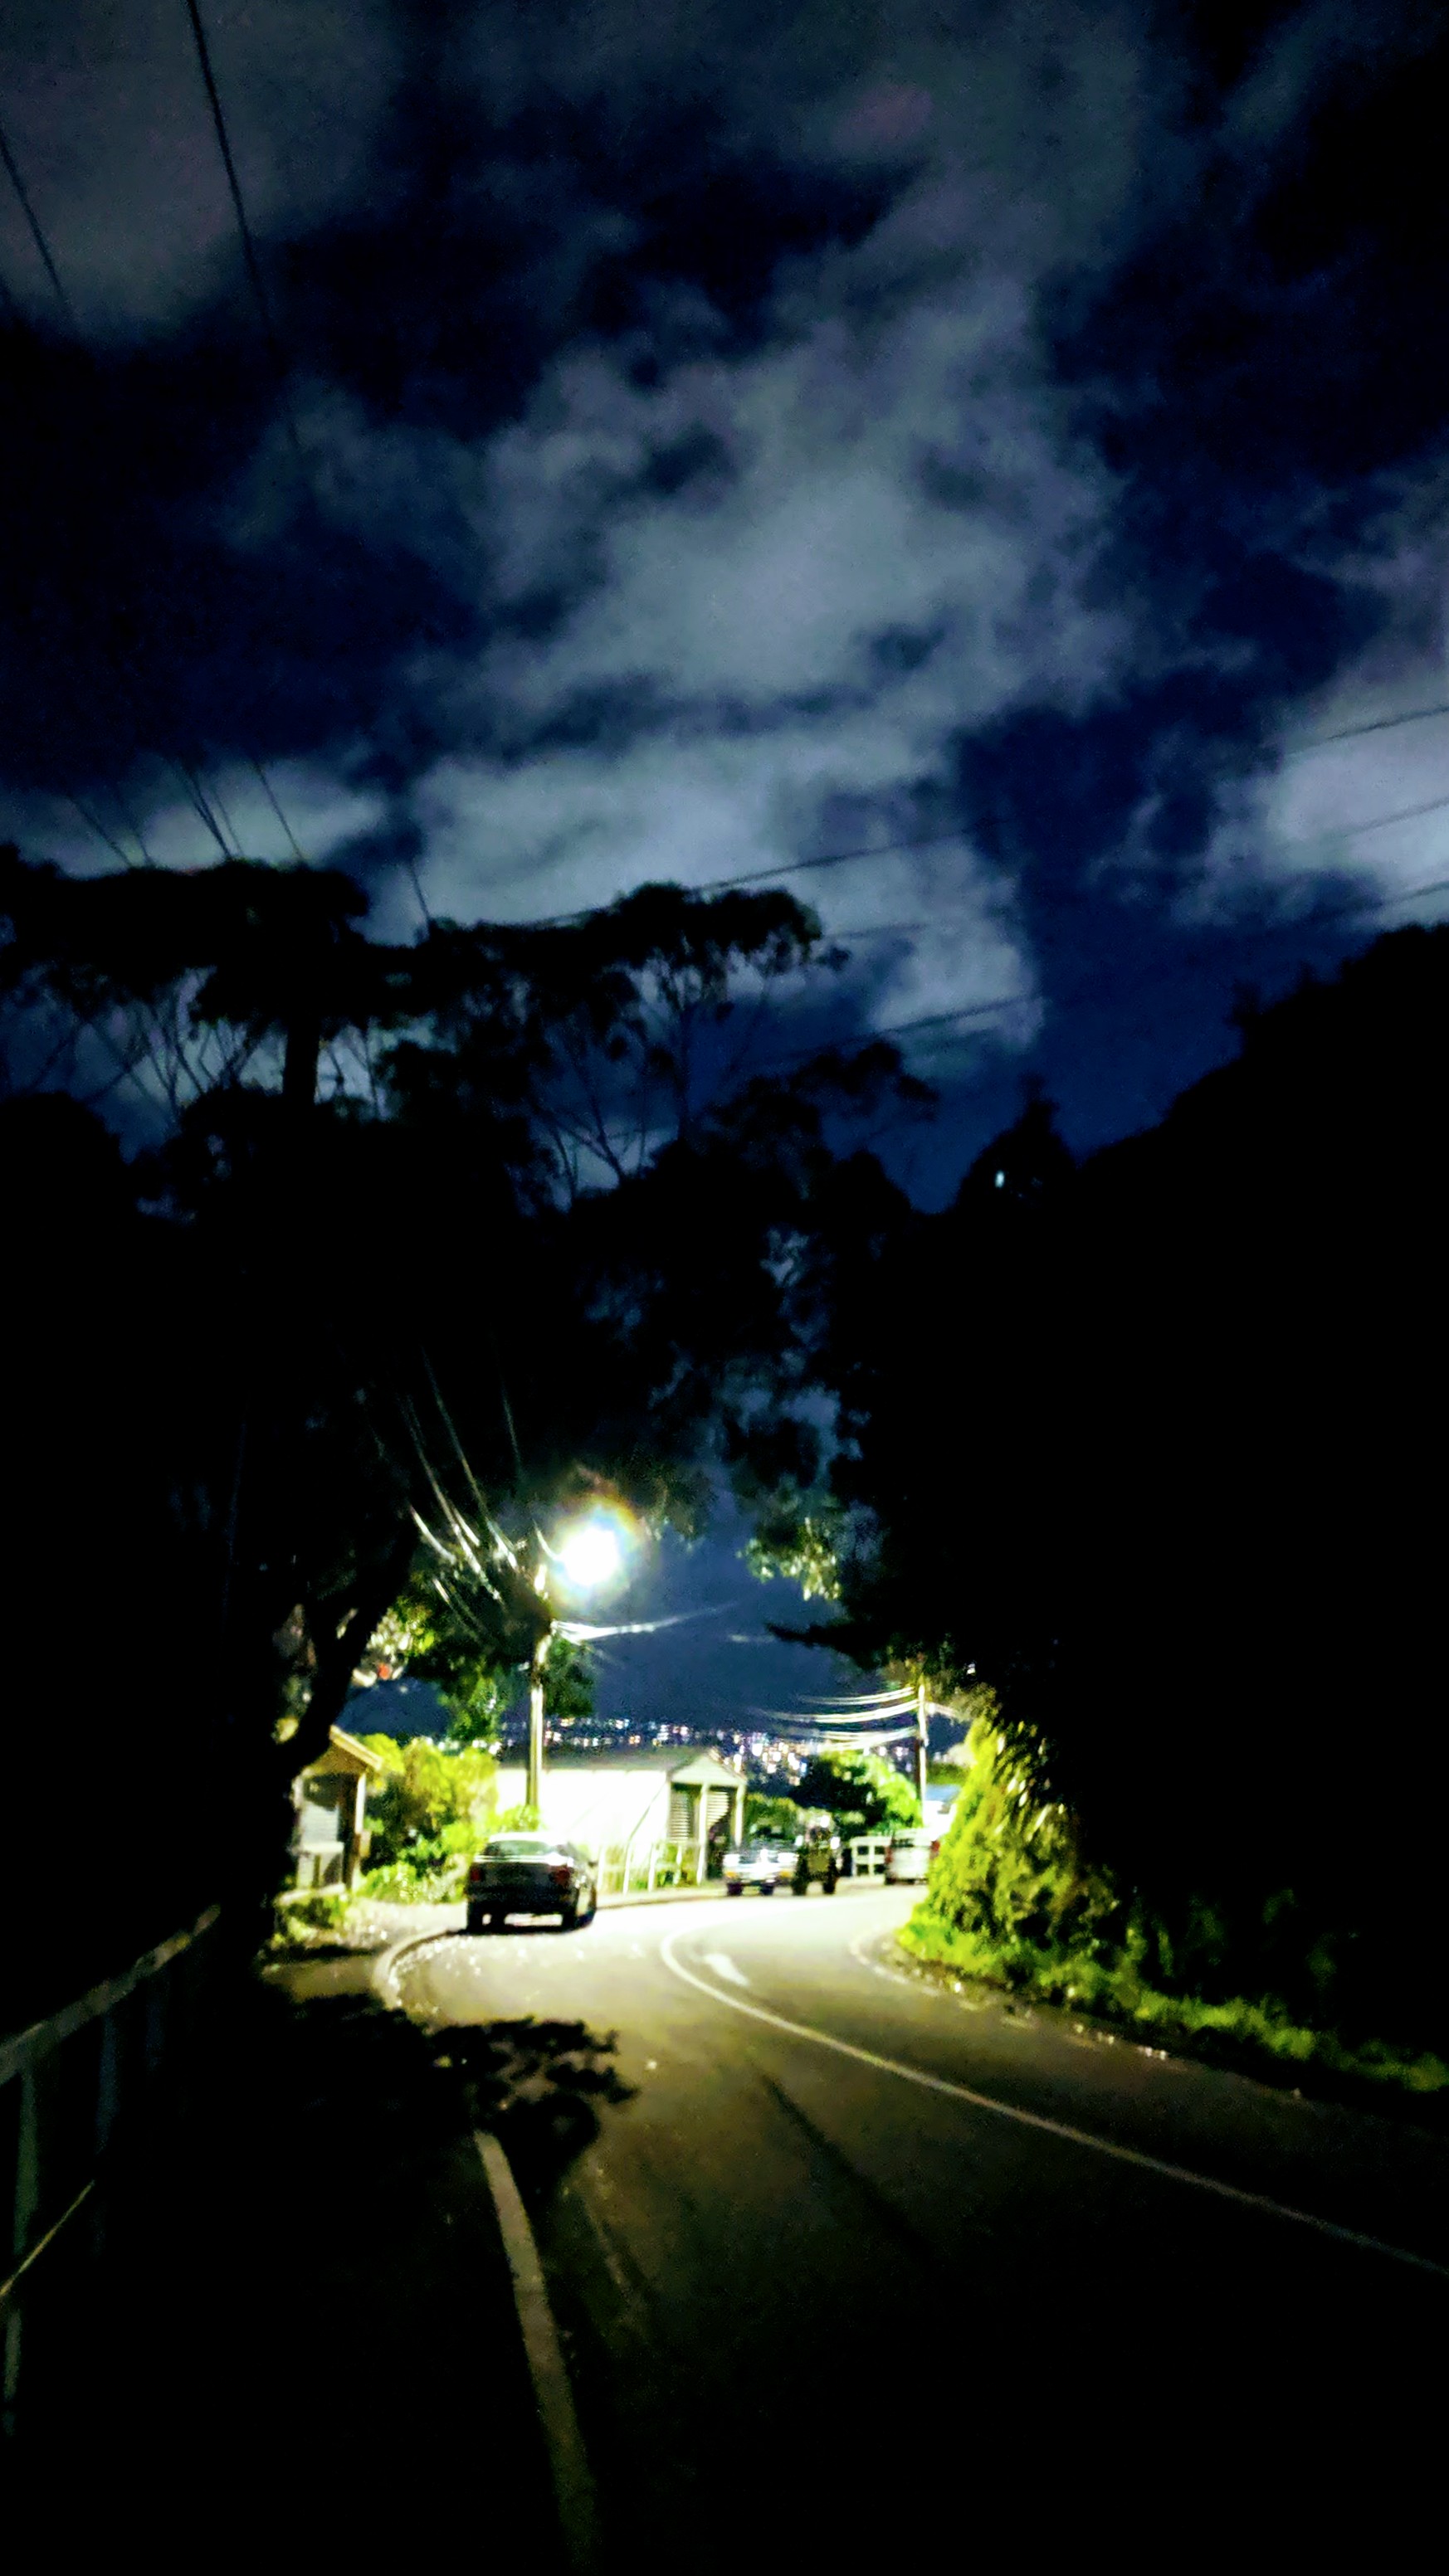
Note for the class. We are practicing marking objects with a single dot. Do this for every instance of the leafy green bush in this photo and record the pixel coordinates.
(1011, 1899)
(771, 1816)
(863, 1792)
(433, 1808)
(429, 1872)
(299, 1911)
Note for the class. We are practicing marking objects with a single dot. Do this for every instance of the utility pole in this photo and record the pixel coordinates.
(923, 1745)
(590, 1557)
(537, 1661)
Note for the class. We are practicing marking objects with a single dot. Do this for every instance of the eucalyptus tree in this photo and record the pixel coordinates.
(506, 1212)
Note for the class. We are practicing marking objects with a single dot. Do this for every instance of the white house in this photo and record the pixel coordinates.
(627, 1801)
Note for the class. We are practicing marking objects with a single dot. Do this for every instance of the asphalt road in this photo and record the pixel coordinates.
(869, 2264)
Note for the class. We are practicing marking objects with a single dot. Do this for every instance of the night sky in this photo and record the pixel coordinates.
(692, 1649)
(685, 441)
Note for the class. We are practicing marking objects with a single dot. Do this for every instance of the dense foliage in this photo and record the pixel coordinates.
(433, 1807)
(864, 1792)
(1013, 1899)
(1153, 1447)
(767, 1816)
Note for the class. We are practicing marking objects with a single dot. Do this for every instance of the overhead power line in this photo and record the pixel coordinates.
(94, 824)
(1058, 1001)
(217, 822)
(1374, 724)
(940, 840)
(248, 240)
(273, 339)
(47, 261)
(898, 849)
(271, 796)
(937, 840)
(784, 868)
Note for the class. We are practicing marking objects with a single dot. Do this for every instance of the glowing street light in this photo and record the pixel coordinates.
(591, 1556)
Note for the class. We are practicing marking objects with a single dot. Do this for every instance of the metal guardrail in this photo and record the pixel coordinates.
(64, 2086)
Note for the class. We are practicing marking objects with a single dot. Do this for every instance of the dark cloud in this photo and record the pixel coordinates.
(710, 438)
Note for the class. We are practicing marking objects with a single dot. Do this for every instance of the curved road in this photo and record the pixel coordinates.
(864, 2250)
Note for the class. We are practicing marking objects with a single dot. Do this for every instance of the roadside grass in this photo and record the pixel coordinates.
(1015, 1901)
(320, 1923)
(1255, 2038)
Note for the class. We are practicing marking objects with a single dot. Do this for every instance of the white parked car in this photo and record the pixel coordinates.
(765, 1865)
(908, 1858)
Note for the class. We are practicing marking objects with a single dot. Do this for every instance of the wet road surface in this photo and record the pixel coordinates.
(896, 2263)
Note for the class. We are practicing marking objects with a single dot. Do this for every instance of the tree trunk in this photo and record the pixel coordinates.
(299, 1067)
(337, 1656)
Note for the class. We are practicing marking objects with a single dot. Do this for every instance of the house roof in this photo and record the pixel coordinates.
(690, 1769)
(705, 1771)
(343, 1753)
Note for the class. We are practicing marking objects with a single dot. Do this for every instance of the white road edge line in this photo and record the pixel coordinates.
(573, 2484)
(1055, 2128)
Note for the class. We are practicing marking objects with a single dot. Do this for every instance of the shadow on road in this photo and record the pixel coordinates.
(538, 2084)
(294, 2293)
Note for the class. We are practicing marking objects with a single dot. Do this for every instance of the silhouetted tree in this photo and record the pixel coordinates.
(501, 1214)
(1154, 1446)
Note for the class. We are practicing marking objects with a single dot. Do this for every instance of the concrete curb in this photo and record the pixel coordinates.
(569, 2471)
(572, 2480)
(385, 1983)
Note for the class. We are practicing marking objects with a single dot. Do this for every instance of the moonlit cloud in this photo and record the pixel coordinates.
(105, 110)
(728, 436)
(154, 818)
(879, 535)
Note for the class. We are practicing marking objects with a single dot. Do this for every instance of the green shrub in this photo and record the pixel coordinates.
(765, 1817)
(428, 1793)
(862, 1793)
(1010, 1899)
(428, 1872)
(299, 1911)
(1009, 1877)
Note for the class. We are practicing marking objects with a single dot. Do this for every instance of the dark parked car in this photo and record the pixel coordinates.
(530, 1874)
(817, 1862)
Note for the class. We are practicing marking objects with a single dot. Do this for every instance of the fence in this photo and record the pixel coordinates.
(627, 1867)
(868, 1855)
(65, 2085)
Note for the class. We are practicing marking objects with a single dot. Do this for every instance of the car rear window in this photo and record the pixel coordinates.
(518, 1846)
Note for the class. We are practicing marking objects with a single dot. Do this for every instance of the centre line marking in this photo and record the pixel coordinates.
(1054, 2128)
(725, 1967)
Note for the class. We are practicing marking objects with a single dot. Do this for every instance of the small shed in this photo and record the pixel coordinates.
(329, 1841)
(706, 1803)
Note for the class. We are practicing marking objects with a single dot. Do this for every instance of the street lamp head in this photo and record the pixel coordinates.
(590, 1555)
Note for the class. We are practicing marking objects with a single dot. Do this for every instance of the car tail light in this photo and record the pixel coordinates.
(562, 1875)
(475, 1874)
